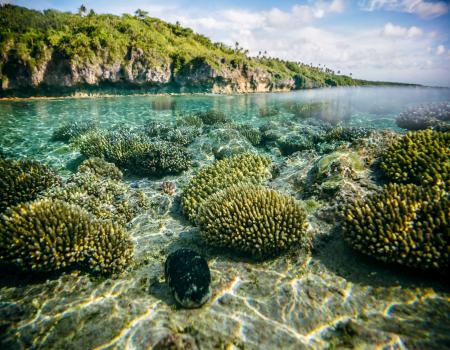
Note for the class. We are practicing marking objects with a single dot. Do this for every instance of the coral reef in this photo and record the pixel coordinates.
(404, 224)
(50, 235)
(101, 168)
(252, 219)
(134, 151)
(268, 111)
(188, 276)
(156, 129)
(346, 133)
(23, 180)
(183, 135)
(421, 157)
(250, 133)
(330, 172)
(306, 110)
(169, 188)
(245, 167)
(102, 196)
(432, 116)
(190, 120)
(73, 129)
(160, 158)
(212, 117)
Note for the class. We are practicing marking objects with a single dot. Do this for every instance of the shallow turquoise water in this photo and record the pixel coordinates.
(333, 298)
(26, 126)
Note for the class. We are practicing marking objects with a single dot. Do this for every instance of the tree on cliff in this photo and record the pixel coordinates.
(141, 14)
(82, 10)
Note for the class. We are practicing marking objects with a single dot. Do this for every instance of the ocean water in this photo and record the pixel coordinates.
(329, 298)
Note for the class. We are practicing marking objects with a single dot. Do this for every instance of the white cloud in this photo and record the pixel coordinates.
(440, 50)
(423, 8)
(391, 30)
(392, 52)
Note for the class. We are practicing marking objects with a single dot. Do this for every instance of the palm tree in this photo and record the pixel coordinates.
(141, 14)
(82, 10)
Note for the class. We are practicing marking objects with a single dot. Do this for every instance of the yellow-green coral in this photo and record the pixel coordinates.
(134, 151)
(421, 157)
(245, 167)
(253, 219)
(103, 197)
(404, 224)
(50, 235)
(101, 168)
(22, 181)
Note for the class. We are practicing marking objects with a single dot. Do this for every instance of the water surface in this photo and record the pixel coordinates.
(334, 298)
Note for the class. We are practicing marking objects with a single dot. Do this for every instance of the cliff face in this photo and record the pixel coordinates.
(55, 71)
(60, 53)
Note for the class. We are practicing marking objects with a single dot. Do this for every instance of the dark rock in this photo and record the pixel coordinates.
(188, 276)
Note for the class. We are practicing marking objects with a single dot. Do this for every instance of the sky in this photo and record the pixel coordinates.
(385, 40)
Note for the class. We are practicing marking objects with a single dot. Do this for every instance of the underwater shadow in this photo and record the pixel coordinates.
(11, 276)
(337, 256)
(161, 291)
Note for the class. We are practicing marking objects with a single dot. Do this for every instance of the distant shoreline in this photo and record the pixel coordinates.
(84, 95)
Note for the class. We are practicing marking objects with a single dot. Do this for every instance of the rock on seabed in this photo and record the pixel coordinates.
(188, 276)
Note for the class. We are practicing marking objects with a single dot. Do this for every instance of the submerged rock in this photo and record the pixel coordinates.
(188, 276)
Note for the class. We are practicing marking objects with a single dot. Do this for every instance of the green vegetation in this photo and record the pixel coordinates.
(50, 235)
(22, 181)
(30, 39)
(404, 224)
(421, 157)
(253, 219)
(248, 168)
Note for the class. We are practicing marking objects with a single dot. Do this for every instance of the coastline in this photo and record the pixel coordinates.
(84, 95)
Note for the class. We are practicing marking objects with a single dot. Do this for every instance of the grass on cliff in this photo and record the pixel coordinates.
(30, 37)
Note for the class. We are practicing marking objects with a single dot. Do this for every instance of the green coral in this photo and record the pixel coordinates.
(50, 235)
(134, 151)
(421, 157)
(244, 167)
(73, 129)
(253, 219)
(101, 194)
(212, 117)
(251, 134)
(23, 180)
(160, 158)
(345, 133)
(100, 167)
(404, 224)
(190, 120)
(330, 172)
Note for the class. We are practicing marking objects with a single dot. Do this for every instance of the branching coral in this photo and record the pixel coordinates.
(245, 167)
(104, 197)
(253, 219)
(23, 180)
(160, 158)
(421, 157)
(49, 235)
(134, 151)
(251, 134)
(100, 168)
(212, 117)
(404, 224)
(73, 129)
(348, 134)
